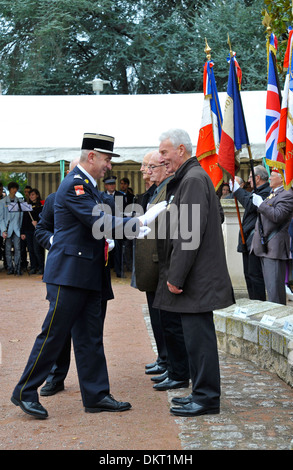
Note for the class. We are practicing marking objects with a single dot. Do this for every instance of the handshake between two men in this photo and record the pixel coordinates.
(103, 226)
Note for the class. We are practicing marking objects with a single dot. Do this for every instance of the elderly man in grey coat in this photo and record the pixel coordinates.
(194, 278)
(271, 241)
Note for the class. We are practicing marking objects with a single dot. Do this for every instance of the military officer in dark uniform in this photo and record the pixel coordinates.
(74, 274)
(44, 233)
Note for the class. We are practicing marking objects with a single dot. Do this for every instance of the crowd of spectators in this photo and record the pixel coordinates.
(19, 215)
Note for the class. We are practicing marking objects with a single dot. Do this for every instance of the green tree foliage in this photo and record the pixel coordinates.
(141, 46)
(281, 16)
(8, 176)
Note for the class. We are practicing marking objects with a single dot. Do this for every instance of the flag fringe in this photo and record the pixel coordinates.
(206, 154)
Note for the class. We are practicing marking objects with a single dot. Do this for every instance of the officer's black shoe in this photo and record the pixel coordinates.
(31, 408)
(51, 388)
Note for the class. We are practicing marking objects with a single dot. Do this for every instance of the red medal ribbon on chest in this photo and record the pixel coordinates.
(106, 252)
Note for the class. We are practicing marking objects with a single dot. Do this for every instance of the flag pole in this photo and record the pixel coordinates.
(248, 145)
(208, 51)
(235, 198)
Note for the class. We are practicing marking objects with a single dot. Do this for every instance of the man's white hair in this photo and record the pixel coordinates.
(178, 137)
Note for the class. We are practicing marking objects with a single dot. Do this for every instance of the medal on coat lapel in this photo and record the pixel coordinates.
(170, 201)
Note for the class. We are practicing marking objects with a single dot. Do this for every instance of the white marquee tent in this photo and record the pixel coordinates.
(50, 128)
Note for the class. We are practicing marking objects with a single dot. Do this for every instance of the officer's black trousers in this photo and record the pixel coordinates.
(79, 311)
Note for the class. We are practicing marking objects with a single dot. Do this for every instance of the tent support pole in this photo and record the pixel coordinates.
(62, 169)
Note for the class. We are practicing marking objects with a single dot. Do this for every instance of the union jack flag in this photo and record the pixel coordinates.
(274, 158)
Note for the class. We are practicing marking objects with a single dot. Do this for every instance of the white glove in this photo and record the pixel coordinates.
(152, 213)
(111, 244)
(235, 186)
(143, 232)
(257, 200)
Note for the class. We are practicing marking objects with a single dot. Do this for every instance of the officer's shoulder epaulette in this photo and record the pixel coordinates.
(77, 176)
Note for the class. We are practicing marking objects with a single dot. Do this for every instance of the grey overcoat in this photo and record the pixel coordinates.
(276, 213)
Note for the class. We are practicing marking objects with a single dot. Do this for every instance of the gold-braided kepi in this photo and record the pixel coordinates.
(99, 142)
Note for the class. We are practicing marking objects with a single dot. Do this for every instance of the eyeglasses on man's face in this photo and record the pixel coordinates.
(152, 167)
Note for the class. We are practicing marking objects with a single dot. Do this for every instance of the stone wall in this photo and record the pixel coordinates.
(261, 332)
(230, 229)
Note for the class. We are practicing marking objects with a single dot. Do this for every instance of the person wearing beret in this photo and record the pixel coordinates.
(74, 273)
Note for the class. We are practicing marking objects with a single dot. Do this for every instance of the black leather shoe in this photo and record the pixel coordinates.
(160, 378)
(31, 408)
(51, 389)
(193, 409)
(151, 365)
(169, 384)
(182, 400)
(108, 403)
(155, 370)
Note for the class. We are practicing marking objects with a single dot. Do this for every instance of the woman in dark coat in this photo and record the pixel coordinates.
(29, 222)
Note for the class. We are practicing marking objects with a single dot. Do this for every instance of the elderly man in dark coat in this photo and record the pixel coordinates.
(272, 242)
(194, 278)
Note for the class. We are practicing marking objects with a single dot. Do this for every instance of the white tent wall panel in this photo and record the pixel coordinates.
(50, 128)
(37, 132)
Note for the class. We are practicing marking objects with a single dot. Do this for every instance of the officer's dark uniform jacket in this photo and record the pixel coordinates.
(250, 213)
(45, 228)
(76, 258)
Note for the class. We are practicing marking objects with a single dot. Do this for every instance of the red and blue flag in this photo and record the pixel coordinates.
(234, 133)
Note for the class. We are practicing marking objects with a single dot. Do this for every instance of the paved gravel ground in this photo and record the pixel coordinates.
(256, 407)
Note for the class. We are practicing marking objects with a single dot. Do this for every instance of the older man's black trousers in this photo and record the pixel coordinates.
(201, 345)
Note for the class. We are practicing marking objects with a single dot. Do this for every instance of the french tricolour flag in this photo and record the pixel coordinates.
(211, 127)
(234, 134)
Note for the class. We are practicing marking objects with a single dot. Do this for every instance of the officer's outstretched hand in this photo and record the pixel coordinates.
(152, 213)
(143, 232)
